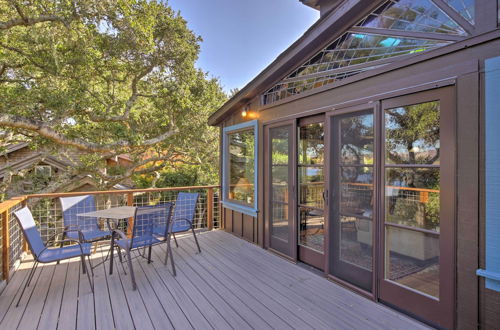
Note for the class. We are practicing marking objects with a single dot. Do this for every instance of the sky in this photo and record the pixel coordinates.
(242, 37)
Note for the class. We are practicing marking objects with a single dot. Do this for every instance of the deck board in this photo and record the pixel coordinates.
(231, 284)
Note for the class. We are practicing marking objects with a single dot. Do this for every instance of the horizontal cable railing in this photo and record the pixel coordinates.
(47, 213)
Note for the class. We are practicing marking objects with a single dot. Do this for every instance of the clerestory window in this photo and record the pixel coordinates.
(395, 29)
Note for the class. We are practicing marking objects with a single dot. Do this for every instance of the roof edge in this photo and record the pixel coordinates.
(313, 39)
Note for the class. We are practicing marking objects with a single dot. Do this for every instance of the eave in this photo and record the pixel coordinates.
(316, 37)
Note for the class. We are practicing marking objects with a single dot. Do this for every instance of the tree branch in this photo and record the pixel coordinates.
(48, 132)
(130, 102)
(30, 21)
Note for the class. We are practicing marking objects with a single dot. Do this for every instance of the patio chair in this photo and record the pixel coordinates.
(182, 219)
(145, 220)
(43, 254)
(88, 226)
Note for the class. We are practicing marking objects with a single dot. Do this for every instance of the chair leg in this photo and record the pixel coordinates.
(61, 245)
(84, 265)
(32, 273)
(131, 270)
(175, 240)
(169, 252)
(111, 256)
(149, 253)
(196, 240)
(28, 280)
(91, 267)
(119, 253)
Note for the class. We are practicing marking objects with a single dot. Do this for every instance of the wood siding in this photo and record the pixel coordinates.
(475, 305)
(241, 225)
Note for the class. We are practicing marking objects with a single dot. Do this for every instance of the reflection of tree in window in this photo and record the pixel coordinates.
(241, 166)
(412, 138)
(412, 134)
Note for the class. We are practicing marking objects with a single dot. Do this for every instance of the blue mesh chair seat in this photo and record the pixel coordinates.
(182, 218)
(43, 254)
(146, 219)
(65, 252)
(89, 226)
(137, 242)
(91, 236)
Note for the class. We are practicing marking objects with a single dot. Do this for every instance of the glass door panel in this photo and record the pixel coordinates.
(417, 264)
(311, 188)
(412, 189)
(351, 211)
(280, 183)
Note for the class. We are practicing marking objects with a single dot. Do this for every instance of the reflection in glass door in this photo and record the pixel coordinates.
(280, 151)
(351, 231)
(418, 225)
(311, 221)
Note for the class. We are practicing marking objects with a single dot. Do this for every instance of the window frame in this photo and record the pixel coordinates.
(41, 168)
(235, 205)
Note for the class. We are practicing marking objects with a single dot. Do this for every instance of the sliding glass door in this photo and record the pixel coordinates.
(417, 222)
(352, 207)
(311, 191)
(280, 178)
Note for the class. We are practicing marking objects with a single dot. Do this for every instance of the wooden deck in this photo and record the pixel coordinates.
(232, 284)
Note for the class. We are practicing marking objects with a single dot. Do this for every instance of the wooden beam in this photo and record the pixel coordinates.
(130, 226)
(5, 245)
(465, 24)
(407, 34)
(115, 192)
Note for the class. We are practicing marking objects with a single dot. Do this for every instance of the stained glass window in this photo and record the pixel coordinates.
(346, 52)
(365, 48)
(412, 15)
(466, 8)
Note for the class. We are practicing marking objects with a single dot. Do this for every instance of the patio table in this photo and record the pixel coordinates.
(113, 213)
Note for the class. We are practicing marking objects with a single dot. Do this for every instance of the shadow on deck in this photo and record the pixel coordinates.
(232, 284)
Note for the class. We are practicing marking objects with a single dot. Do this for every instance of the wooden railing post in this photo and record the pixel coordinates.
(25, 243)
(6, 245)
(210, 208)
(130, 202)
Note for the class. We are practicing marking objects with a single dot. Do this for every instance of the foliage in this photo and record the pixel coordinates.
(106, 77)
(179, 176)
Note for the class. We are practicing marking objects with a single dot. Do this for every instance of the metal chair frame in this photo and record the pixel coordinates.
(46, 247)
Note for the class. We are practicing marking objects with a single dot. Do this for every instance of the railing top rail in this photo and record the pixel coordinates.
(7, 205)
(117, 192)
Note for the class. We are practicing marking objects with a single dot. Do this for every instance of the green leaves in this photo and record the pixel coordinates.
(107, 77)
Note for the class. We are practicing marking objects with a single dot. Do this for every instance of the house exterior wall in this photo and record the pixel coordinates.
(463, 69)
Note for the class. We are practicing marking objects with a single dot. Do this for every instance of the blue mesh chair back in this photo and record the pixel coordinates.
(71, 206)
(147, 218)
(30, 231)
(184, 211)
(42, 254)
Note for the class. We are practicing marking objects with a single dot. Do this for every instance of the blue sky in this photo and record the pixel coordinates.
(242, 37)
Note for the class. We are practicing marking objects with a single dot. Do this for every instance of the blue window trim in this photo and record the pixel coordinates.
(250, 210)
(492, 178)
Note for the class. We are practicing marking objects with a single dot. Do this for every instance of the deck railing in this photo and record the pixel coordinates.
(47, 212)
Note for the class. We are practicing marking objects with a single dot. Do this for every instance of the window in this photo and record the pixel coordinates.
(395, 29)
(240, 167)
(43, 171)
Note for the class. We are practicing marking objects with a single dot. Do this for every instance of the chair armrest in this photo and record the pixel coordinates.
(185, 219)
(81, 238)
(121, 235)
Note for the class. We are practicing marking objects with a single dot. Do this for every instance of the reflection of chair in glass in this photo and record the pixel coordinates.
(43, 254)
